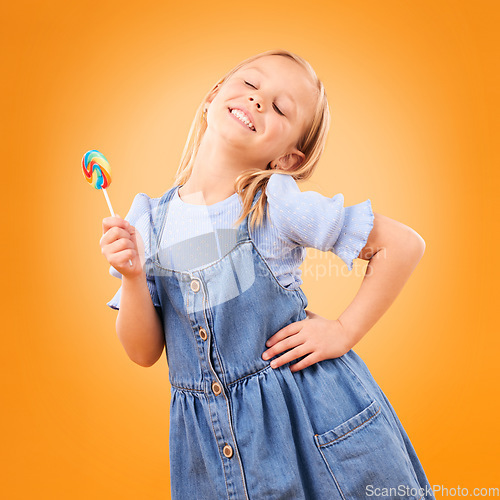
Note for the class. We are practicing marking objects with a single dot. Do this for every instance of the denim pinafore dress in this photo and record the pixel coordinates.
(241, 430)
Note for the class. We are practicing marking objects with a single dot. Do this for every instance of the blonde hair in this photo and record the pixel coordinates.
(311, 143)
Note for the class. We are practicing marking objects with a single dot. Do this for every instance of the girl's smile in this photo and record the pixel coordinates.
(243, 116)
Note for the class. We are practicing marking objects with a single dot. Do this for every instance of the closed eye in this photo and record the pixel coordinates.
(278, 110)
(274, 105)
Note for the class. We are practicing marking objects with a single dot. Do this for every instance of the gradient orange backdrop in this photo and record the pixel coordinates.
(412, 90)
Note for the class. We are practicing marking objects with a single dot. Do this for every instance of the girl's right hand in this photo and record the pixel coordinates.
(119, 243)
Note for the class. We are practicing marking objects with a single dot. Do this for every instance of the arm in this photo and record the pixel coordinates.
(393, 250)
(138, 325)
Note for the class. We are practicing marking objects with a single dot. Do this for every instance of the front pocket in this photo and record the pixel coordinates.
(366, 459)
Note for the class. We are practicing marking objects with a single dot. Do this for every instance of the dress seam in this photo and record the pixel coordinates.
(249, 375)
(186, 388)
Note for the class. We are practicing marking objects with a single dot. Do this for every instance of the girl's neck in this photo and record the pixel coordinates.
(215, 170)
(209, 193)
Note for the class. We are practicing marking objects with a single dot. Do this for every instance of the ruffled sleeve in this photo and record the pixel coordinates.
(139, 216)
(309, 219)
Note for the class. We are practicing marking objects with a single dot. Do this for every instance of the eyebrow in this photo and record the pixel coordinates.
(286, 92)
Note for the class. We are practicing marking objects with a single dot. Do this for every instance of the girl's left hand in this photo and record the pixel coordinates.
(317, 337)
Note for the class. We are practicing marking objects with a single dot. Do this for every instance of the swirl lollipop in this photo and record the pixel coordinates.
(97, 172)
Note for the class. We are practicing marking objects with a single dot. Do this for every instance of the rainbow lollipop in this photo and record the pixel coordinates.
(97, 171)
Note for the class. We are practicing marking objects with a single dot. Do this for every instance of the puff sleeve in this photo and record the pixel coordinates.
(139, 216)
(309, 219)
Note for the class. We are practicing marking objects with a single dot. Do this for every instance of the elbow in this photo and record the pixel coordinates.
(396, 239)
(145, 362)
(142, 347)
(141, 355)
(415, 244)
(422, 246)
(148, 358)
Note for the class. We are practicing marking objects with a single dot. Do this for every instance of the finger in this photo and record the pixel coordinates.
(309, 360)
(114, 233)
(288, 330)
(121, 258)
(283, 345)
(118, 246)
(289, 356)
(109, 222)
(309, 314)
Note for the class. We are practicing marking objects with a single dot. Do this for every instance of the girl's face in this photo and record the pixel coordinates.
(263, 108)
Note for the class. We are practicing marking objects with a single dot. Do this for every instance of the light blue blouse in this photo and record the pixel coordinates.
(197, 235)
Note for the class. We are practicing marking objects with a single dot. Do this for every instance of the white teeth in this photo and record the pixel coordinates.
(241, 116)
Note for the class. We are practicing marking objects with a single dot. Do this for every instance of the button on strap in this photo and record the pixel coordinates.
(216, 388)
(203, 334)
(228, 451)
(195, 285)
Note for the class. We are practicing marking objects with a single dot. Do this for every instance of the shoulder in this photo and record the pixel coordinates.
(143, 203)
(283, 190)
(141, 208)
(281, 183)
(305, 218)
(313, 220)
(286, 200)
(141, 214)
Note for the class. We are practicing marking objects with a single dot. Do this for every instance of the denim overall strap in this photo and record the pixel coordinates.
(157, 218)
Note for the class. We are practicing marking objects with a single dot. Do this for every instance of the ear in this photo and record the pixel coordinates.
(213, 93)
(290, 161)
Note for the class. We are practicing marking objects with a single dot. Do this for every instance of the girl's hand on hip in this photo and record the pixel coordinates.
(315, 337)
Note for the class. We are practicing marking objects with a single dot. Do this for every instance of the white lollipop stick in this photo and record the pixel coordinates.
(112, 212)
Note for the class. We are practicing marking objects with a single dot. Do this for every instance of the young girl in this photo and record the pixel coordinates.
(268, 400)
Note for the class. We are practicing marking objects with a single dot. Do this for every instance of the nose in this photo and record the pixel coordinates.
(257, 103)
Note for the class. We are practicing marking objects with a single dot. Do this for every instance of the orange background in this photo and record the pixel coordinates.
(411, 87)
